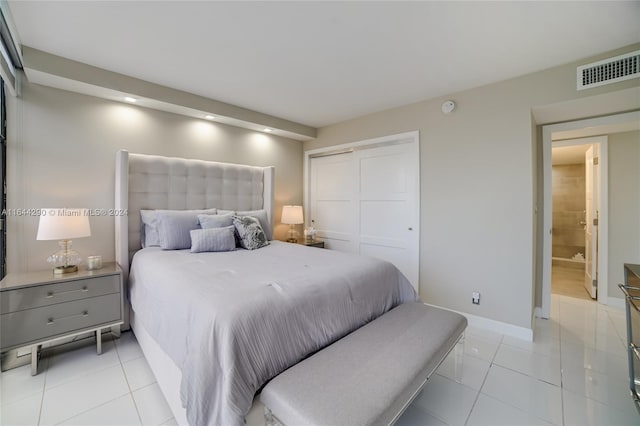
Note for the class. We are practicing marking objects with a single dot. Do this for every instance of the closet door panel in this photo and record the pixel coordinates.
(368, 202)
(332, 204)
(386, 203)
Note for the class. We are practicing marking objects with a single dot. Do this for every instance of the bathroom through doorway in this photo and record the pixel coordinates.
(577, 188)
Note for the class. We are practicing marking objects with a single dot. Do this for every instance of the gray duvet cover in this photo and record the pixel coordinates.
(232, 321)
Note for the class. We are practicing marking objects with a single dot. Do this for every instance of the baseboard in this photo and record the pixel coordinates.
(495, 326)
(616, 302)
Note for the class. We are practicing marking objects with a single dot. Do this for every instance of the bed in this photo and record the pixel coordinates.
(215, 327)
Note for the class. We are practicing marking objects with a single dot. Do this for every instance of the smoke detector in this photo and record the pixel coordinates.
(448, 107)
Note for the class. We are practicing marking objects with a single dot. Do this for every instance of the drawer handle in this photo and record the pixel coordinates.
(51, 294)
(50, 321)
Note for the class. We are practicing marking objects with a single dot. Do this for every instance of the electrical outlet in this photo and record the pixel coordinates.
(475, 298)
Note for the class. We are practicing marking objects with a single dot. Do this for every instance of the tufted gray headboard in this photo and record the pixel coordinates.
(156, 182)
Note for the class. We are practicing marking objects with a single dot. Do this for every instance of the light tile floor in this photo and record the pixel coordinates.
(574, 373)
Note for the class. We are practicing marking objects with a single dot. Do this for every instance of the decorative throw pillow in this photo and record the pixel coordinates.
(213, 239)
(250, 234)
(261, 215)
(215, 220)
(174, 227)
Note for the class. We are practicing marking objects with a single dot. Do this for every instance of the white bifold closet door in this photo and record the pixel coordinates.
(368, 202)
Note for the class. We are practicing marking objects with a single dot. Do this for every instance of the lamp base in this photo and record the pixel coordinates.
(292, 240)
(65, 269)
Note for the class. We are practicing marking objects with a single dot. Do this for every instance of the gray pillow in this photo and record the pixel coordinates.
(213, 239)
(215, 220)
(174, 227)
(149, 236)
(250, 234)
(261, 215)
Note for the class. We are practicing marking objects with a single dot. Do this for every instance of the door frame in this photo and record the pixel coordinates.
(412, 138)
(603, 224)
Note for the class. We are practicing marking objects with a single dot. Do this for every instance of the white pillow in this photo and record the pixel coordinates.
(213, 239)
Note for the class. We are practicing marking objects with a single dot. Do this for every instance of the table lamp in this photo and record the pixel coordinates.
(63, 225)
(292, 215)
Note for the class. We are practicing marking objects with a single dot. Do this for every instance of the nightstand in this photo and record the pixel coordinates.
(38, 307)
(314, 243)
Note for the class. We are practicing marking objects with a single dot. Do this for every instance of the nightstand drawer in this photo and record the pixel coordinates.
(44, 295)
(24, 327)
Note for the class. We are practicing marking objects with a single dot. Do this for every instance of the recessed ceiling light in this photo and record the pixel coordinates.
(268, 130)
(130, 99)
(209, 117)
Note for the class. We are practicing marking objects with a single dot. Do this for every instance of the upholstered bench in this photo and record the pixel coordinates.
(368, 377)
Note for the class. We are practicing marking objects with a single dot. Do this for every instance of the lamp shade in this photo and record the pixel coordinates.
(63, 224)
(292, 215)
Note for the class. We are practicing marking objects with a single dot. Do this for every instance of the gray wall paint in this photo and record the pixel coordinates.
(478, 168)
(624, 205)
(62, 149)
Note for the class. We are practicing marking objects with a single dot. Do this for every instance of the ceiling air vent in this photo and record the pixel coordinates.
(612, 70)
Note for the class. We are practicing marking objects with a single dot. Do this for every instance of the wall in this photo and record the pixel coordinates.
(477, 185)
(568, 210)
(61, 153)
(624, 205)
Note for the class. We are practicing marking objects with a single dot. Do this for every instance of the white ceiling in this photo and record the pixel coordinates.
(319, 63)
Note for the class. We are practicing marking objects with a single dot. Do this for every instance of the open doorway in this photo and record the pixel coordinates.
(577, 185)
(625, 129)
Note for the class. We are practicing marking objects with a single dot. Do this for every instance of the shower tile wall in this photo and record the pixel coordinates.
(568, 210)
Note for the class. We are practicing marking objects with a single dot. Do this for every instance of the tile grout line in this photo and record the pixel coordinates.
(44, 385)
(97, 406)
(92, 408)
(143, 387)
(535, 415)
(560, 333)
(475, 401)
(55, 350)
(127, 380)
(429, 412)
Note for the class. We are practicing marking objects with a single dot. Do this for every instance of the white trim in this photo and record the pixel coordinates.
(603, 251)
(122, 225)
(382, 140)
(537, 312)
(603, 225)
(494, 326)
(547, 220)
(616, 302)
